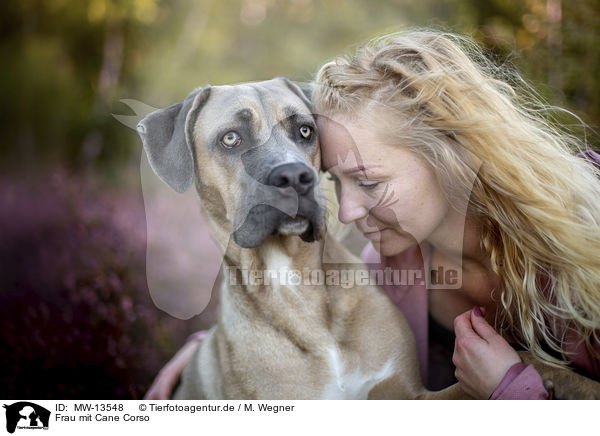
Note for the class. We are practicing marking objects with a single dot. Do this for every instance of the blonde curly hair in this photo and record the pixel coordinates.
(537, 203)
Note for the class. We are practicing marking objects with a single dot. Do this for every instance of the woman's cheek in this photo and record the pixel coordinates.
(385, 215)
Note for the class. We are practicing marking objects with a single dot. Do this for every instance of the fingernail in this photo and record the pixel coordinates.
(477, 311)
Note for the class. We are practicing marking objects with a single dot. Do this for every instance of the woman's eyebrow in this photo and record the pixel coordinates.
(359, 168)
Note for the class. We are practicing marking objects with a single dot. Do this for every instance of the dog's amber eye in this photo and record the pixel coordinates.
(231, 139)
(306, 132)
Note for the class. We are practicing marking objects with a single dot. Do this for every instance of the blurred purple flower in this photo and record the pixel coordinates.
(76, 318)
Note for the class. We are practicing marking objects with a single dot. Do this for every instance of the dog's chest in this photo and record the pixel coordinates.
(342, 380)
(355, 384)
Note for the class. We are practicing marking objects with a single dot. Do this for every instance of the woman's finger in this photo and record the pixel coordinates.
(462, 326)
(481, 326)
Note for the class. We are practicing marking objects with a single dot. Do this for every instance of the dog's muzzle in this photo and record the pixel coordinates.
(299, 177)
(297, 183)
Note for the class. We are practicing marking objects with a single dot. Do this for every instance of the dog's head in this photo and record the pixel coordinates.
(251, 150)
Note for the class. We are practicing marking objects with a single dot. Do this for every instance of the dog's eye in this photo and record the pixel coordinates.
(231, 139)
(306, 132)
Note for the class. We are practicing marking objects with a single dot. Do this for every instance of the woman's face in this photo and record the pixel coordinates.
(391, 195)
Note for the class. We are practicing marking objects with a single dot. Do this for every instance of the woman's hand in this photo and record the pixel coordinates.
(481, 356)
(165, 381)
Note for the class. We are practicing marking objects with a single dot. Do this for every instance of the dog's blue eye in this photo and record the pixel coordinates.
(231, 139)
(306, 132)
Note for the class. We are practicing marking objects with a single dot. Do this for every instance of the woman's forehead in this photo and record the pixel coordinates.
(339, 144)
(348, 142)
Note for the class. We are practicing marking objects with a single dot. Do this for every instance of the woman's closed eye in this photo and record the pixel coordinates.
(365, 184)
(368, 184)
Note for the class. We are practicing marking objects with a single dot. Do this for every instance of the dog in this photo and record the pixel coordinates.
(251, 152)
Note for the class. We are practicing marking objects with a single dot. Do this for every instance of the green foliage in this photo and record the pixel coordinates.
(66, 63)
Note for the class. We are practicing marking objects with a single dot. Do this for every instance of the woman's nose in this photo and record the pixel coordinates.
(351, 208)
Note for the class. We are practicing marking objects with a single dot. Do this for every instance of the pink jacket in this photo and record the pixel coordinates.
(521, 382)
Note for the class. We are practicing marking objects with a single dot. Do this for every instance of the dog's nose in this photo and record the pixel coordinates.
(297, 175)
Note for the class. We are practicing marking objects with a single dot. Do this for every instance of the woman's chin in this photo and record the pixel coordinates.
(389, 245)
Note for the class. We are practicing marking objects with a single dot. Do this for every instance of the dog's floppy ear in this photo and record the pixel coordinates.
(167, 138)
(303, 92)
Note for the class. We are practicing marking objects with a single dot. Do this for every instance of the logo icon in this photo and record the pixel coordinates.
(26, 415)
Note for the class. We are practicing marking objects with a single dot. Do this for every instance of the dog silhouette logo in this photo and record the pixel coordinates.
(26, 415)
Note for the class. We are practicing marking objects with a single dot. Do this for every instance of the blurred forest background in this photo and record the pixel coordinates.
(76, 319)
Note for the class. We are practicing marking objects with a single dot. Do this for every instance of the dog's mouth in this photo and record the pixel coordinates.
(265, 220)
(294, 226)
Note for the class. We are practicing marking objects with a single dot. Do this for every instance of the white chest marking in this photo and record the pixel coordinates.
(279, 269)
(354, 385)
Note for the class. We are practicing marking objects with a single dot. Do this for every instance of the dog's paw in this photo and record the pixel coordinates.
(563, 383)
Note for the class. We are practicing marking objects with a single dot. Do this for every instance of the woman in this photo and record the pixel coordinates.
(439, 163)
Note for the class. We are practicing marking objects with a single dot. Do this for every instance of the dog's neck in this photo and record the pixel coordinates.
(275, 283)
(277, 256)
(270, 280)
